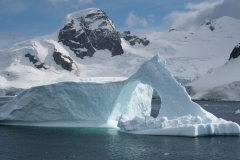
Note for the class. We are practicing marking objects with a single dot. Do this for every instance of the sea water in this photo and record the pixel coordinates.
(30, 143)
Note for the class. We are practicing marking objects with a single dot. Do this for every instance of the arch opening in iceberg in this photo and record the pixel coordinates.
(155, 104)
(175, 101)
(134, 99)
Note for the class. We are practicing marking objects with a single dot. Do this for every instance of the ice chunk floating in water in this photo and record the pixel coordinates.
(128, 102)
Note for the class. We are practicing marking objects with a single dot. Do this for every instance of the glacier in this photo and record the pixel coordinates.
(125, 103)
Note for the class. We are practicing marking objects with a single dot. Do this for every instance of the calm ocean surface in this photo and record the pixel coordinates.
(38, 143)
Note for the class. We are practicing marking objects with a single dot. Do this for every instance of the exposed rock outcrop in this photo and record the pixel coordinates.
(170, 30)
(235, 52)
(132, 39)
(65, 61)
(35, 61)
(210, 24)
(89, 30)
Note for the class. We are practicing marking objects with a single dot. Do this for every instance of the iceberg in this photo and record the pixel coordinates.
(126, 104)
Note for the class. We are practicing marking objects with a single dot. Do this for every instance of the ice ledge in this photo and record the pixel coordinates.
(180, 126)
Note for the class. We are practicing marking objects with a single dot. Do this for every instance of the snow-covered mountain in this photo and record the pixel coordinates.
(89, 30)
(221, 83)
(88, 45)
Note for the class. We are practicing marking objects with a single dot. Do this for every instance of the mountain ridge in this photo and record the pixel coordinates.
(187, 54)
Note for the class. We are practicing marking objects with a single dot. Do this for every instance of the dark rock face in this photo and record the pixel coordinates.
(210, 24)
(41, 66)
(91, 31)
(31, 58)
(132, 39)
(65, 61)
(34, 60)
(170, 30)
(211, 27)
(235, 52)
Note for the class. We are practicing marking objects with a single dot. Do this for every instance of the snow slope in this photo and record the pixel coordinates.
(221, 83)
(127, 101)
(192, 54)
(187, 55)
(18, 71)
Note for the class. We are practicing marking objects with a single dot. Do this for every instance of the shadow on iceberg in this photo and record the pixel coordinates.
(97, 104)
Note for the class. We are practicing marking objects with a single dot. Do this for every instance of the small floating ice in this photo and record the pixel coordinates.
(237, 111)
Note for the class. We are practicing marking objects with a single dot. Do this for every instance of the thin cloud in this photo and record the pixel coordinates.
(133, 20)
(197, 13)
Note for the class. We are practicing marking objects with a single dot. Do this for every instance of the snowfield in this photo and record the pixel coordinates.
(128, 102)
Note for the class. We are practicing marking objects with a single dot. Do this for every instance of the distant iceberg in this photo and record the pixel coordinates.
(127, 101)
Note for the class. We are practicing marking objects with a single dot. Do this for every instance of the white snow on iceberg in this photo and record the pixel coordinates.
(127, 101)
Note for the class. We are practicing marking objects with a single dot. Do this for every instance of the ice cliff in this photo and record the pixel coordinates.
(127, 101)
(83, 101)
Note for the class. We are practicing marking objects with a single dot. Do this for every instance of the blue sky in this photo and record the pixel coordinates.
(23, 19)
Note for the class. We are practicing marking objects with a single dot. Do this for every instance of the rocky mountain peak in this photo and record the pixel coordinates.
(89, 30)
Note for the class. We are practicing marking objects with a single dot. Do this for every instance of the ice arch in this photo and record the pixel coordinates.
(133, 100)
(97, 103)
(175, 100)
